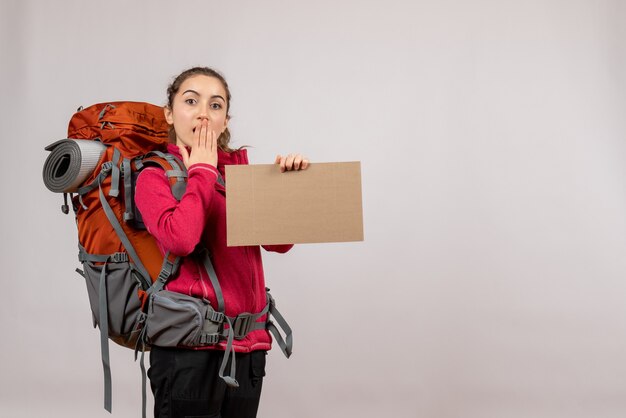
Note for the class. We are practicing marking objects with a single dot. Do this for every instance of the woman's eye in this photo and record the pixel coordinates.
(190, 101)
(216, 106)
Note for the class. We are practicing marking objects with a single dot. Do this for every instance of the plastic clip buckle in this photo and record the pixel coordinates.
(166, 271)
(163, 276)
(169, 264)
(215, 316)
(209, 339)
(241, 325)
(107, 166)
(119, 258)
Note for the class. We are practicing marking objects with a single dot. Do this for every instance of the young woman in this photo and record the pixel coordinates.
(185, 382)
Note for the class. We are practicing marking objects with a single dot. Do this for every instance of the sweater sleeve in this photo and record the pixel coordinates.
(177, 226)
(281, 248)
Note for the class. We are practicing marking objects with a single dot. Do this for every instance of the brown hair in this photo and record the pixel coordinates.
(173, 88)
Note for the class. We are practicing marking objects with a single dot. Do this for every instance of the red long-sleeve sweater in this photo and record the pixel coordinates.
(200, 216)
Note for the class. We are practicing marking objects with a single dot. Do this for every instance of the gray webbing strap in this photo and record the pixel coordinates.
(244, 323)
(158, 154)
(176, 163)
(104, 109)
(143, 385)
(127, 176)
(105, 170)
(122, 236)
(83, 256)
(230, 350)
(285, 345)
(104, 340)
(115, 176)
(229, 353)
(103, 311)
(140, 326)
(94, 258)
(172, 159)
(176, 173)
(80, 199)
(208, 266)
(168, 269)
(104, 329)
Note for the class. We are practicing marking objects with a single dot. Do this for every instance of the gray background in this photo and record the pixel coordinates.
(491, 135)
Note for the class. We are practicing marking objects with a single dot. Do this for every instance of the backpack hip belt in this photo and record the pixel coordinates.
(178, 320)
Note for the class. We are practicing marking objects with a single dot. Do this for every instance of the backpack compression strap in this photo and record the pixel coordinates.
(286, 344)
(104, 314)
(134, 258)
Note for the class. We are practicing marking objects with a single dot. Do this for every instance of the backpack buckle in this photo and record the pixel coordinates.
(209, 338)
(242, 325)
(106, 167)
(118, 258)
(215, 316)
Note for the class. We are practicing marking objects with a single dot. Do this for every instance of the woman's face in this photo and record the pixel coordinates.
(200, 97)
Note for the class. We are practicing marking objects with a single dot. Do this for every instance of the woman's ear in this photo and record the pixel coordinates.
(167, 111)
(226, 123)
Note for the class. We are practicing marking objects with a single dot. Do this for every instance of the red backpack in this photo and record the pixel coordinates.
(108, 144)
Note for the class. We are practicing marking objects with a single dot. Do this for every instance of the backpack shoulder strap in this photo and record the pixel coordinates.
(174, 170)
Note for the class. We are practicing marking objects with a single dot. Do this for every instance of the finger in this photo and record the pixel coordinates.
(289, 162)
(297, 161)
(196, 137)
(281, 162)
(213, 141)
(204, 134)
(305, 164)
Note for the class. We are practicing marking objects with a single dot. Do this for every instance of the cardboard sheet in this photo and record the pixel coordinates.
(319, 204)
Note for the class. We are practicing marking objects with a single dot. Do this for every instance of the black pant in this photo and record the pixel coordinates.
(185, 384)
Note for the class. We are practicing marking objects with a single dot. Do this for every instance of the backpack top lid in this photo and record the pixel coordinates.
(133, 127)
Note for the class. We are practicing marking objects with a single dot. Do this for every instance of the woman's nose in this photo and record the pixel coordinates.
(203, 112)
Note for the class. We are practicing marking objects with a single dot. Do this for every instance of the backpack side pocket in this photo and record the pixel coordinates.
(178, 320)
(123, 303)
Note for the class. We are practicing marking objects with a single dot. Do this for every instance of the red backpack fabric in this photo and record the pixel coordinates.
(133, 129)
